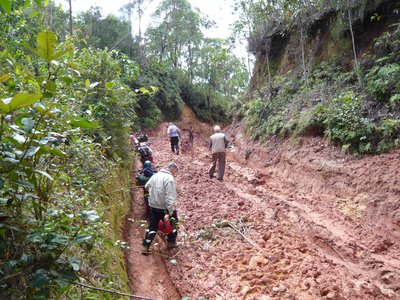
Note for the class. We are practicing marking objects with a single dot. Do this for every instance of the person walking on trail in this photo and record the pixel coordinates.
(174, 134)
(218, 144)
(162, 202)
(191, 137)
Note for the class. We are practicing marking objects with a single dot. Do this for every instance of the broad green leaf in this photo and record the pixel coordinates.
(6, 5)
(50, 86)
(48, 95)
(33, 14)
(144, 90)
(4, 77)
(87, 83)
(19, 138)
(18, 101)
(28, 124)
(64, 277)
(7, 161)
(91, 215)
(39, 79)
(4, 104)
(27, 4)
(46, 46)
(81, 238)
(72, 65)
(47, 139)
(84, 123)
(39, 280)
(46, 41)
(22, 183)
(43, 173)
(59, 239)
(60, 53)
(39, 3)
(52, 151)
(67, 80)
(110, 84)
(27, 258)
(40, 107)
(32, 151)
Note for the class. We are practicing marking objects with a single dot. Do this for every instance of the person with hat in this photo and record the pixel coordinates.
(162, 202)
(174, 133)
(218, 144)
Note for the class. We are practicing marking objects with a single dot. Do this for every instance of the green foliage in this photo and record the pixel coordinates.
(366, 123)
(105, 33)
(58, 119)
(312, 121)
(383, 81)
(199, 102)
(345, 125)
(114, 107)
(166, 102)
(389, 131)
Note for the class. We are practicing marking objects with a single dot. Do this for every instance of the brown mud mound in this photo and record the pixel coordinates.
(288, 222)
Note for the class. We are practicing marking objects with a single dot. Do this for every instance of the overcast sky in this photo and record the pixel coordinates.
(219, 11)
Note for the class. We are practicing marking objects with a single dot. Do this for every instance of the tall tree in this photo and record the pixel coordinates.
(221, 73)
(70, 17)
(110, 32)
(129, 8)
(177, 35)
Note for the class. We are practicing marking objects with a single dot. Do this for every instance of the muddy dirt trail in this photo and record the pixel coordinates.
(289, 221)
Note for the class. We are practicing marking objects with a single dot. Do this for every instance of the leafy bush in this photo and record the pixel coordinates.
(52, 167)
(383, 81)
(198, 101)
(312, 120)
(167, 99)
(390, 135)
(345, 125)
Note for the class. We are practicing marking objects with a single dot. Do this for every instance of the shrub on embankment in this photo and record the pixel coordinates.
(351, 99)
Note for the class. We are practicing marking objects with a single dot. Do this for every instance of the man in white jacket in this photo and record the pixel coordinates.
(162, 202)
(218, 143)
(174, 133)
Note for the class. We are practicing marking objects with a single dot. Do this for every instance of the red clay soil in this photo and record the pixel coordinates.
(292, 221)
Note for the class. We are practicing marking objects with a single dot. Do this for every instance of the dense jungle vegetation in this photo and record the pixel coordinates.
(73, 87)
(324, 67)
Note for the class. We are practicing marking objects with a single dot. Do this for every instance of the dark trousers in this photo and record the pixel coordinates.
(219, 157)
(157, 215)
(174, 143)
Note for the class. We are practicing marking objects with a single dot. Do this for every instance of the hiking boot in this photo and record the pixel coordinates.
(146, 250)
(220, 179)
(171, 245)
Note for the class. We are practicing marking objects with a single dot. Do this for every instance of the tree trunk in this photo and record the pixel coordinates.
(352, 34)
(269, 76)
(140, 50)
(70, 17)
(303, 58)
(354, 44)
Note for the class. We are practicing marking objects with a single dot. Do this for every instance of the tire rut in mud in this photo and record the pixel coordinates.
(148, 276)
(294, 243)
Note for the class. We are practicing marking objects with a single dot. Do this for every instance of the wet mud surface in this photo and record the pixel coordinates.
(289, 221)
